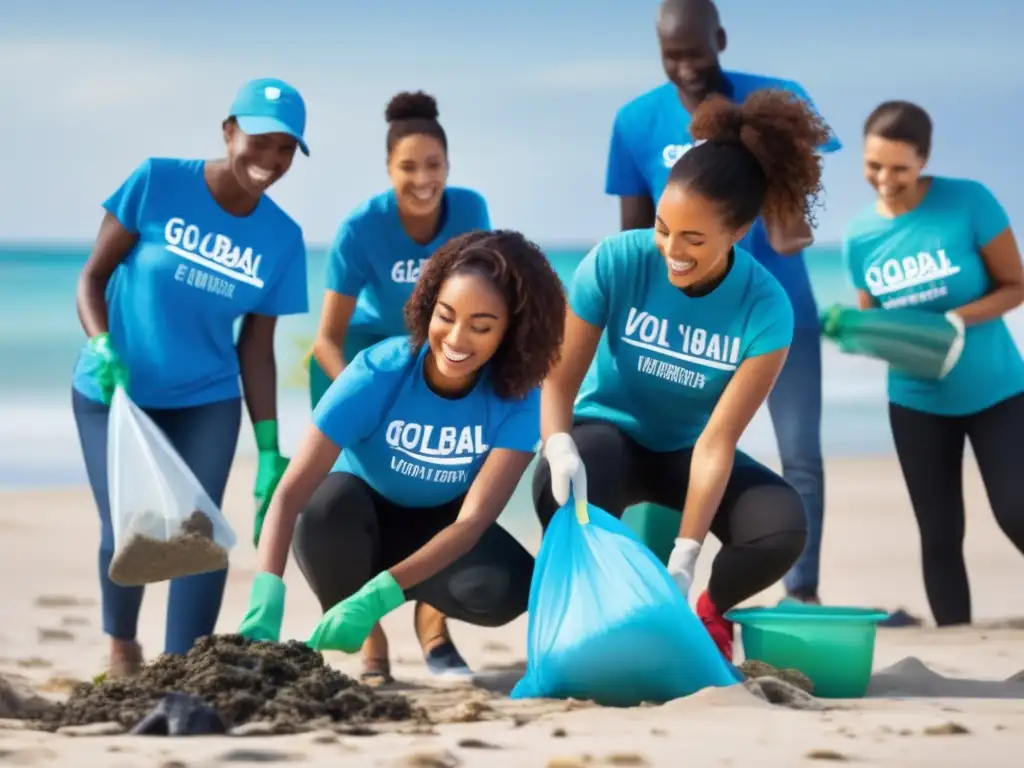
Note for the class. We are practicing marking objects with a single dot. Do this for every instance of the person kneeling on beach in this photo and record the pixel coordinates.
(434, 431)
(690, 334)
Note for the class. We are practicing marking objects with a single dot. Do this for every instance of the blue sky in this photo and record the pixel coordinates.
(527, 91)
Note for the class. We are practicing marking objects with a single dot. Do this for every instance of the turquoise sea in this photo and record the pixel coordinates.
(40, 338)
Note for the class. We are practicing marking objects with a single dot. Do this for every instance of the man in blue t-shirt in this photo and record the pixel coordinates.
(649, 135)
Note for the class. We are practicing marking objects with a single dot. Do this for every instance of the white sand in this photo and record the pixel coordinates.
(50, 633)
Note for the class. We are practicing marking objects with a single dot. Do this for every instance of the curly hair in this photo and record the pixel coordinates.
(533, 293)
(756, 158)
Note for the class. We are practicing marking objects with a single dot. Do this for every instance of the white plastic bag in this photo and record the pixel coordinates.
(165, 525)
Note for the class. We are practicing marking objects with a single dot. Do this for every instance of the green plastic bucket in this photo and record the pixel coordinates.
(657, 527)
(833, 645)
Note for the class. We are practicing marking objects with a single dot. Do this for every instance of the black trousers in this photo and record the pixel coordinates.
(349, 533)
(760, 523)
(931, 454)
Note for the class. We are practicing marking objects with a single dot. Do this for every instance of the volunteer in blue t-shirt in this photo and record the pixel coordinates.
(375, 260)
(944, 245)
(186, 248)
(650, 134)
(381, 247)
(690, 333)
(434, 433)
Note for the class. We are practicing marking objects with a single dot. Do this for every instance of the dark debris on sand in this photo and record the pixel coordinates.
(286, 684)
(753, 670)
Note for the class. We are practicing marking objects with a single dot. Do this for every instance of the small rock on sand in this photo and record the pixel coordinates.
(439, 759)
(19, 701)
(469, 711)
(476, 744)
(784, 694)
(260, 756)
(826, 754)
(946, 729)
(47, 635)
(626, 759)
(753, 669)
(63, 601)
(570, 761)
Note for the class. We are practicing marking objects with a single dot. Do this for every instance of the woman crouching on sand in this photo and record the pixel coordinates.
(690, 333)
(434, 433)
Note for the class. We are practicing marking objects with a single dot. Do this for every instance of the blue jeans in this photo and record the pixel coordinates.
(795, 408)
(205, 436)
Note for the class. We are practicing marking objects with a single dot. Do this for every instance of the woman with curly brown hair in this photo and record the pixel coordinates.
(434, 431)
(690, 333)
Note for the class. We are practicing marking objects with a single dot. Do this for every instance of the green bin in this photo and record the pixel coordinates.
(833, 645)
(656, 526)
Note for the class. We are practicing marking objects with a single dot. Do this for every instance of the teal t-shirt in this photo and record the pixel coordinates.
(929, 259)
(665, 358)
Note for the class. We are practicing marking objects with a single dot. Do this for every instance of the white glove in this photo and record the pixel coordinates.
(682, 563)
(567, 469)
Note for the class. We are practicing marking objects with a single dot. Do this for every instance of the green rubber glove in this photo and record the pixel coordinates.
(347, 625)
(110, 373)
(265, 614)
(270, 468)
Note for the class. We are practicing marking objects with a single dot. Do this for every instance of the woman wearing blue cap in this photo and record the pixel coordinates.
(186, 248)
(372, 266)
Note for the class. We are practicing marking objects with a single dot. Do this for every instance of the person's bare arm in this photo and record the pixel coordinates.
(789, 239)
(559, 392)
(258, 366)
(330, 338)
(715, 450)
(865, 300)
(112, 246)
(636, 212)
(308, 467)
(487, 498)
(1003, 263)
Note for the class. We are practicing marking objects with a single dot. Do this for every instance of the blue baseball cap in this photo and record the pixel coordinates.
(268, 105)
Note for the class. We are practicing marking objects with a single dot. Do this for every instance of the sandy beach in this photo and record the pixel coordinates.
(50, 635)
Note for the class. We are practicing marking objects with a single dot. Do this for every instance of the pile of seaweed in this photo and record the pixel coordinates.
(285, 684)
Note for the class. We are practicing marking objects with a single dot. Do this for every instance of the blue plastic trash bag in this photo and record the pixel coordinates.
(608, 624)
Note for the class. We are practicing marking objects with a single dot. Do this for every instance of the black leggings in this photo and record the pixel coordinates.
(761, 521)
(931, 453)
(349, 533)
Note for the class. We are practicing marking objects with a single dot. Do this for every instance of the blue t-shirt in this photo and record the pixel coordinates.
(665, 358)
(652, 132)
(196, 269)
(374, 259)
(411, 445)
(929, 259)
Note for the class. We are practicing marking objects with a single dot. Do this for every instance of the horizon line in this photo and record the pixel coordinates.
(41, 243)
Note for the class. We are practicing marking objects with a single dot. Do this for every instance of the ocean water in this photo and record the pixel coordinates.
(40, 338)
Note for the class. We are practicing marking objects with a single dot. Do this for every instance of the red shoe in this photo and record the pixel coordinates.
(719, 627)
